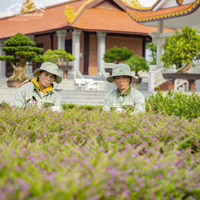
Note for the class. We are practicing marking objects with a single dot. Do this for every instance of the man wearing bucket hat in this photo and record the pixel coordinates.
(39, 90)
(124, 97)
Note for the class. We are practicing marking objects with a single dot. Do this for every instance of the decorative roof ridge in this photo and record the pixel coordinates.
(189, 10)
(89, 4)
(74, 15)
(39, 9)
(138, 8)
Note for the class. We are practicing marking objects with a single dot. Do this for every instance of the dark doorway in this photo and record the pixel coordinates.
(86, 52)
(68, 46)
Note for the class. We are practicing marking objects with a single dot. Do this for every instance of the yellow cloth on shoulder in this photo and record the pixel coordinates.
(48, 89)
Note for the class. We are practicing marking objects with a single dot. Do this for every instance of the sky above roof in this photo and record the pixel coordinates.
(11, 7)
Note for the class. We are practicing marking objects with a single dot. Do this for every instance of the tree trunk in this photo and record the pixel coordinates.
(19, 73)
(185, 68)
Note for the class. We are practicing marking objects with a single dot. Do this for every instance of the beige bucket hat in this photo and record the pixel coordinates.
(51, 68)
(119, 70)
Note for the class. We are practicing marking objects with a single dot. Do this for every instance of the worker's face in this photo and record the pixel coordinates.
(45, 79)
(122, 82)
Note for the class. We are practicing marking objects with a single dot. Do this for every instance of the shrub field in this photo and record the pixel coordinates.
(84, 154)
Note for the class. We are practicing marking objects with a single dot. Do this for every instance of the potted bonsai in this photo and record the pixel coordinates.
(59, 57)
(116, 55)
(20, 49)
(181, 50)
(137, 64)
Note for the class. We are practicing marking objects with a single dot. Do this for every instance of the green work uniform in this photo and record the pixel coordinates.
(28, 95)
(132, 98)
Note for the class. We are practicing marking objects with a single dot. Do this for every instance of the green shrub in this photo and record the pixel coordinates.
(4, 104)
(86, 107)
(175, 103)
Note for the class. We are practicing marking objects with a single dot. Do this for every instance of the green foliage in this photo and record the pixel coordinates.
(4, 104)
(116, 55)
(20, 49)
(86, 155)
(19, 40)
(176, 103)
(181, 48)
(59, 57)
(137, 63)
(153, 49)
(78, 107)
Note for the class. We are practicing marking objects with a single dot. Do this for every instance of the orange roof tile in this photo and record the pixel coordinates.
(91, 19)
(105, 20)
(52, 18)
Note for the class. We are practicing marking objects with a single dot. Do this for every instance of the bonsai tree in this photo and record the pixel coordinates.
(20, 49)
(59, 57)
(137, 64)
(181, 49)
(117, 55)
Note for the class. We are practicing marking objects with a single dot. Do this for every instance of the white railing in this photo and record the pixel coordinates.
(181, 85)
(159, 79)
(155, 77)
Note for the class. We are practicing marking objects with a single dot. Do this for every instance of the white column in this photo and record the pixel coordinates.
(151, 79)
(61, 39)
(159, 44)
(159, 40)
(101, 51)
(76, 53)
(2, 63)
(29, 67)
(160, 26)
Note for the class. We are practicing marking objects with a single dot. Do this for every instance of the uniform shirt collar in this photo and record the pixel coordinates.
(48, 89)
(125, 94)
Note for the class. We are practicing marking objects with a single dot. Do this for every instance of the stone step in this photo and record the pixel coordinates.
(87, 97)
(143, 86)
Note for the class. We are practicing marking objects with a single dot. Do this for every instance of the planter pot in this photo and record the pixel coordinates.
(65, 69)
(137, 80)
(14, 83)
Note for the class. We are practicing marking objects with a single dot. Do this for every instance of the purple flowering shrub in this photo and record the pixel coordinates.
(81, 154)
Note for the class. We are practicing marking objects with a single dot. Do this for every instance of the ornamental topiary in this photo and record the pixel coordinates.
(137, 64)
(59, 57)
(117, 55)
(20, 49)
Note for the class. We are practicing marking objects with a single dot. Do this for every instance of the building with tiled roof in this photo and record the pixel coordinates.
(166, 14)
(85, 28)
(174, 13)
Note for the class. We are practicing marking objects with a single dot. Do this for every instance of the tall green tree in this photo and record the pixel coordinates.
(152, 48)
(181, 49)
(20, 49)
